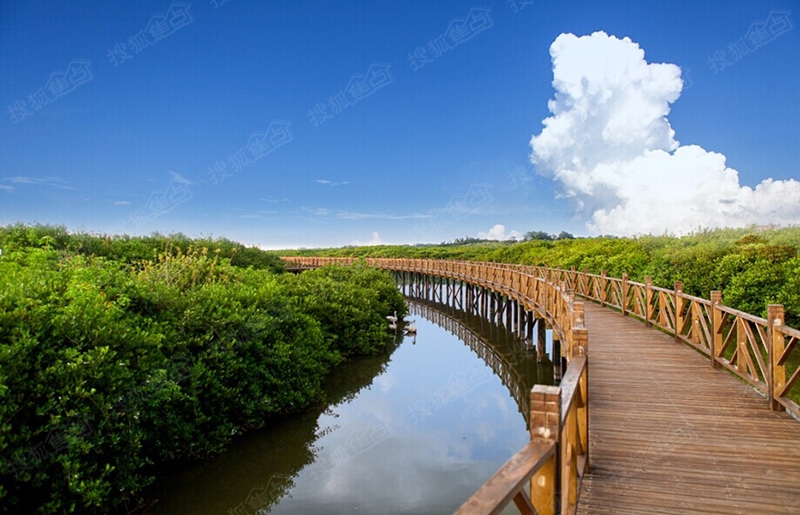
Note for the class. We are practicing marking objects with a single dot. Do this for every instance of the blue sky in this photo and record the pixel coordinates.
(207, 117)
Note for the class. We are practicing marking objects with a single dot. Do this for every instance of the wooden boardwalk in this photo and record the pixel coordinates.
(666, 433)
(670, 435)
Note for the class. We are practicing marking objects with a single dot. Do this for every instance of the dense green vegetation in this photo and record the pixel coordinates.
(128, 249)
(752, 267)
(117, 354)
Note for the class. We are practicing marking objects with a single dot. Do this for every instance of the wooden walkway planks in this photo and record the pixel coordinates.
(670, 435)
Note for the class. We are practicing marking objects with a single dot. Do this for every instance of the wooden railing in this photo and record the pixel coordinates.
(761, 351)
(559, 435)
(557, 457)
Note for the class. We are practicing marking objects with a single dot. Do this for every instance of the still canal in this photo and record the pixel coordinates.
(415, 430)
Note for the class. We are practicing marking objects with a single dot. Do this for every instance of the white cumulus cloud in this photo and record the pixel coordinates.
(498, 232)
(610, 146)
(375, 240)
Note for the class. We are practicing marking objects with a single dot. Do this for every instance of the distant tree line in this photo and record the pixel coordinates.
(543, 236)
(753, 266)
(528, 236)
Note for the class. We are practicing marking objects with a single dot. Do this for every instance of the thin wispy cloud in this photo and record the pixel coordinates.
(3, 187)
(317, 211)
(611, 147)
(54, 182)
(254, 214)
(274, 200)
(122, 203)
(331, 183)
(357, 215)
(180, 179)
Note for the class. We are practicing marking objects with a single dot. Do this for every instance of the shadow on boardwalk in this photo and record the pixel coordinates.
(670, 435)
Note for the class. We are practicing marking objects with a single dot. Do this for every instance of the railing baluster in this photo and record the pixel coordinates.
(716, 327)
(624, 300)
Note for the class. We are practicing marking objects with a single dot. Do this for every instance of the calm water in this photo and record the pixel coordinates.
(415, 430)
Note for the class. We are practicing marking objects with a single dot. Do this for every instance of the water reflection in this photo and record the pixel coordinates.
(260, 468)
(509, 358)
(414, 430)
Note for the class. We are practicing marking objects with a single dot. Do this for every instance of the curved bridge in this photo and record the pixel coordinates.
(668, 433)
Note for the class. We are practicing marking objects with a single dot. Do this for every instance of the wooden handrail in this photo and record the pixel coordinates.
(509, 481)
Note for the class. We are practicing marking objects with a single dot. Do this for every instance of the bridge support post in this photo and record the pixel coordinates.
(545, 426)
(514, 317)
(541, 341)
(529, 327)
(501, 309)
(557, 361)
(473, 300)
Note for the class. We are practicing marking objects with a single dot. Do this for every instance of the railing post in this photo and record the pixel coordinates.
(716, 329)
(648, 301)
(678, 309)
(545, 426)
(777, 372)
(580, 341)
(623, 300)
(579, 346)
